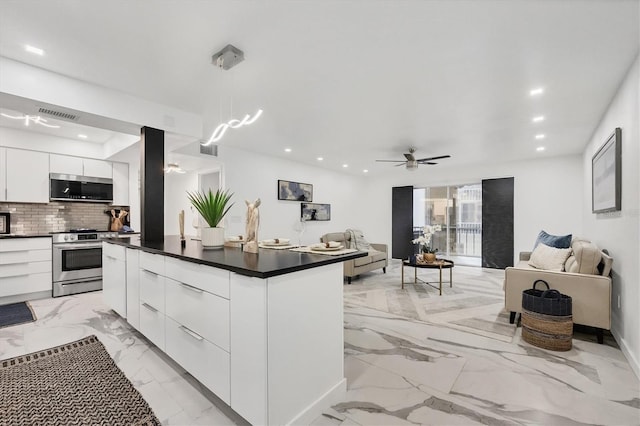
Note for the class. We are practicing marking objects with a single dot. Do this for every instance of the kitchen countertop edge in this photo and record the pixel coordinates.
(310, 260)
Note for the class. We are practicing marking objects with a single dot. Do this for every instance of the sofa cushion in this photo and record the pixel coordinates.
(361, 261)
(377, 255)
(549, 258)
(585, 259)
(557, 241)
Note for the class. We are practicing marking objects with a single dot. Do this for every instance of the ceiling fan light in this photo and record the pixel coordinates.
(412, 165)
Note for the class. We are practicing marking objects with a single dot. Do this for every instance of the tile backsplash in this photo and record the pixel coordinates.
(57, 216)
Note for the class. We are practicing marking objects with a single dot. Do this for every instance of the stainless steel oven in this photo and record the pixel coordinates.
(77, 261)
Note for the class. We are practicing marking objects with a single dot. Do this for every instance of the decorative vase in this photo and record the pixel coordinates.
(213, 237)
(429, 257)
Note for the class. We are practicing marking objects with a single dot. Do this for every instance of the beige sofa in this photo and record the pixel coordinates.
(377, 258)
(587, 282)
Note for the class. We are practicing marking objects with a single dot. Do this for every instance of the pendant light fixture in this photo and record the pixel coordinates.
(173, 168)
(226, 59)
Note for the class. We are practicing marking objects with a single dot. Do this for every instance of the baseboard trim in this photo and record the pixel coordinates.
(633, 362)
(331, 397)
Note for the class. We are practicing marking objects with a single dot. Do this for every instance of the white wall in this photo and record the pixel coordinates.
(175, 199)
(15, 138)
(619, 232)
(547, 195)
(250, 176)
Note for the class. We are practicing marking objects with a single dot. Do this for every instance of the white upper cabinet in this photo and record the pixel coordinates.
(27, 176)
(69, 165)
(120, 184)
(65, 164)
(3, 174)
(97, 168)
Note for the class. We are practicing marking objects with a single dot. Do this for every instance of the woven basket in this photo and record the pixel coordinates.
(551, 332)
(549, 301)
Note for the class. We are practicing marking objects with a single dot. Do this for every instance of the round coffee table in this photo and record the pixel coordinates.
(439, 264)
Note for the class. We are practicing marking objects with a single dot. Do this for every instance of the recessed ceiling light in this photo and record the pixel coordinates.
(287, 150)
(365, 171)
(538, 119)
(537, 91)
(33, 49)
(540, 148)
(320, 158)
(540, 136)
(81, 136)
(345, 165)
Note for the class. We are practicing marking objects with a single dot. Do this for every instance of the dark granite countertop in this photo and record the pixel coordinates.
(7, 236)
(266, 263)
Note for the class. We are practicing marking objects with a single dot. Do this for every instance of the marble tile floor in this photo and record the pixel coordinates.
(400, 370)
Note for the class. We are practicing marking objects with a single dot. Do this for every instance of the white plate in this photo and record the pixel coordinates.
(325, 248)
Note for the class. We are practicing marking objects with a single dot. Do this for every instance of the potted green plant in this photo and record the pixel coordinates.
(212, 207)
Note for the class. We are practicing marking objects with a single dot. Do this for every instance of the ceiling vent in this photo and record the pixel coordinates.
(209, 149)
(58, 114)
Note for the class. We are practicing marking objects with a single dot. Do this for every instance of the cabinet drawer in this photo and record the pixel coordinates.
(152, 324)
(152, 262)
(24, 256)
(152, 289)
(114, 251)
(202, 312)
(17, 244)
(27, 268)
(204, 360)
(22, 284)
(207, 278)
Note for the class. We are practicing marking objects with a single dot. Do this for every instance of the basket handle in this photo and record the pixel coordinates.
(551, 294)
(540, 281)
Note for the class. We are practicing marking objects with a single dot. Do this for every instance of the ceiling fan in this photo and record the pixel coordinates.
(412, 162)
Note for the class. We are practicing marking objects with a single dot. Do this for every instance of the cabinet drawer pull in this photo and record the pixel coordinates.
(191, 333)
(149, 272)
(110, 257)
(192, 288)
(151, 308)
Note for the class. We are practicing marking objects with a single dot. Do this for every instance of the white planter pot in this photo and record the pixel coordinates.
(213, 237)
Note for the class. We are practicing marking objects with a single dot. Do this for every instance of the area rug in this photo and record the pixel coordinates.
(475, 302)
(73, 384)
(16, 313)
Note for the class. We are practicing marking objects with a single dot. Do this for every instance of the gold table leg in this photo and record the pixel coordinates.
(440, 280)
(403, 275)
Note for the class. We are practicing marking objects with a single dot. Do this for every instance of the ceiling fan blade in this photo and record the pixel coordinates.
(409, 156)
(428, 162)
(401, 164)
(391, 161)
(434, 158)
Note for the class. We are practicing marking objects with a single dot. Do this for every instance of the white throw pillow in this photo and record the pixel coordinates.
(549, 258)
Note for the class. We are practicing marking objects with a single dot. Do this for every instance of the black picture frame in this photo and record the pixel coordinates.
(606, 175)
(5, 223)
(315, 212)
(294, 191)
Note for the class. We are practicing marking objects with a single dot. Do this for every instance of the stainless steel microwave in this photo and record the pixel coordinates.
(64, 187)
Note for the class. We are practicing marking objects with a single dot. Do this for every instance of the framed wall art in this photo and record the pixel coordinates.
(314, 211)
(5, 223)
(606, 175)
(294, 191)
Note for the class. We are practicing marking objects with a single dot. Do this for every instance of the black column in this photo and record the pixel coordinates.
(402, 222)
(151, 184)
(497, 223)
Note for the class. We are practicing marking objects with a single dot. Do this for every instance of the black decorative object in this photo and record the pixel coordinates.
(606, 175)
(497, 223)
(294, 191)
(548, 302)
(314, 211)
(402, 222)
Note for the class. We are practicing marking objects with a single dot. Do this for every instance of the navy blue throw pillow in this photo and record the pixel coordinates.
(557, 241)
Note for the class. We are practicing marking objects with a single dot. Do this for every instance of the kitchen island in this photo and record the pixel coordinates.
(264, 331)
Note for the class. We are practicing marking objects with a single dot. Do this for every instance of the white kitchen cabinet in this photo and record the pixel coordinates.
(152, 298)
(97, 168)
(70, 165)
(25, 269)
(133, 288)
(114, 278)
(120, 184)
(65, 164)
(27, 176)
(3, 174)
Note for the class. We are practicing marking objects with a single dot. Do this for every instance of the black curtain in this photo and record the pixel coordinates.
(497, 223)
(402, 222)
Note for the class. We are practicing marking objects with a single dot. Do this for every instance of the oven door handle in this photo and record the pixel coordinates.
(76, 246)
